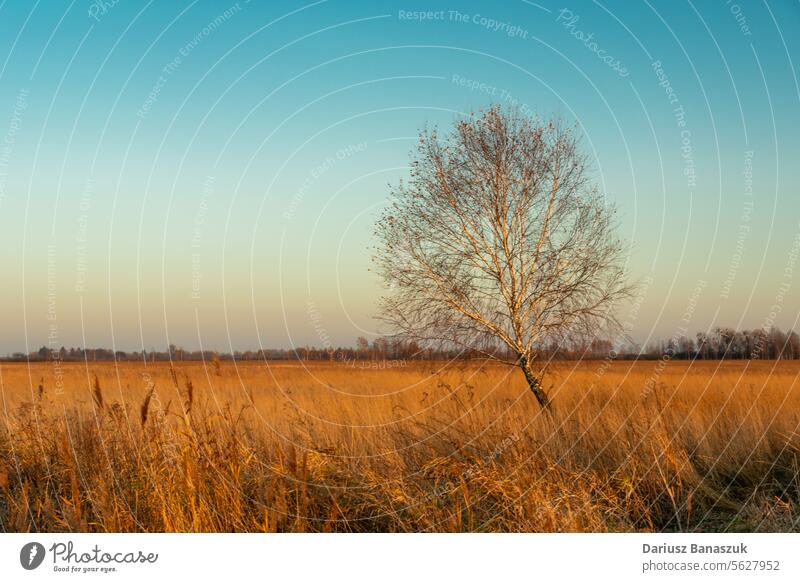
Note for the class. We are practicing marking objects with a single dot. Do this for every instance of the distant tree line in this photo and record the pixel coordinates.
(727, 343)
(721, 343)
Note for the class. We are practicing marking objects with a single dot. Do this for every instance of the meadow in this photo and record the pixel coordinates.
(399, 447)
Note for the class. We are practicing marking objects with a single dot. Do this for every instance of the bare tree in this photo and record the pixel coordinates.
(499, 242)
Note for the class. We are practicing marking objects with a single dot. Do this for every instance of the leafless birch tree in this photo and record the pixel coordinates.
(499, 242)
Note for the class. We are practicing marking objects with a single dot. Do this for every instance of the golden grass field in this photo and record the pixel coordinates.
(421, 447)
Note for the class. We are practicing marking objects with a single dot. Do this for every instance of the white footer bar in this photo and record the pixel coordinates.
(462, 557)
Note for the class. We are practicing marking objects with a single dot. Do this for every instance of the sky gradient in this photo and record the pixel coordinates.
(208, 173)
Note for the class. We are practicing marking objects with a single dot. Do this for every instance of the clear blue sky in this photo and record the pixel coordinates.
(208, 172)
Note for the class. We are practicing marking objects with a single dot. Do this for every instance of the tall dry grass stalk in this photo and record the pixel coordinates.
(145, 409)
(429, 447)
(97, 393)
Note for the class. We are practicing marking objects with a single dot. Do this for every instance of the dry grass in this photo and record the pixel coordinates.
(425, 447)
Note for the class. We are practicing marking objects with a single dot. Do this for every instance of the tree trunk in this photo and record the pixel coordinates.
(534, 384)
